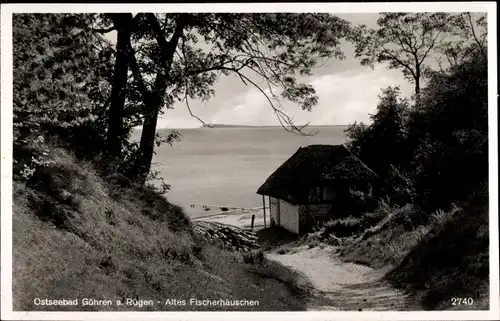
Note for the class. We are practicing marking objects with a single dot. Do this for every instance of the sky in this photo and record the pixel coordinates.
(347, 92)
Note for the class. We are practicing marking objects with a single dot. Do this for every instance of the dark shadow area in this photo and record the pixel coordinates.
(273, 237)
(451, 261)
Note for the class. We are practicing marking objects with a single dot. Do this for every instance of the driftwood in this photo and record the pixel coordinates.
(227, 236)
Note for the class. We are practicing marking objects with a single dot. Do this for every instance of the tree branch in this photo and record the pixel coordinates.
(475, 36)
(104, 30)
(399, 61)
(429, 49)
(186, 100)
(167, 50)
(167, 47)
(282, 117)
(137, 75)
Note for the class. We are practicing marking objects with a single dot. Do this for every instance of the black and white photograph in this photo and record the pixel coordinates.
(246, 158)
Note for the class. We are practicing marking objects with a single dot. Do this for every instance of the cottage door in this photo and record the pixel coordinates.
(274, 209)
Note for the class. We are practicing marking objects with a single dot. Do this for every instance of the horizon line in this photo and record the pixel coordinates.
(241, 126)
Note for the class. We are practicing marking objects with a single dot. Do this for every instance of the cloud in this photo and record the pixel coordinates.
(343, 98)
(347, 92)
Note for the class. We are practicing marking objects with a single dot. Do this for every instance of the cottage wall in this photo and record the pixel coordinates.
(289, 216)
(310, 215)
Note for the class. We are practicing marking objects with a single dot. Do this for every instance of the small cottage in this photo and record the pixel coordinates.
(304, 190)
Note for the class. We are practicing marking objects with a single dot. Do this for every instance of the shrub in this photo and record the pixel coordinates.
(451, 259)
(343, 227)
(385, 136)
(254, 257)
(283, 251)
(30, 154)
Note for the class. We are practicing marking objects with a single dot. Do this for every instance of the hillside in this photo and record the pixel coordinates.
(80, 236)
(435, 257)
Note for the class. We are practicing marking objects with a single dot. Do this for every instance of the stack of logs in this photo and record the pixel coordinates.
(227, 236)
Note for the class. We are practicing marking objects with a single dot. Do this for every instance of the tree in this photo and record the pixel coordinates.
(404, 40)
(382, 143)
(452, 158)
(123, 100)
(59, 71)
(468, 35)
(53, 54)
(123, 25)
(168, 64)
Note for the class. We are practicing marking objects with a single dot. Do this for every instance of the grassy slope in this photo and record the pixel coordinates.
(76, 236)
(443, 257)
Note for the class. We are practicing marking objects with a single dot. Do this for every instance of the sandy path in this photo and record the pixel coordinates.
(342, 286)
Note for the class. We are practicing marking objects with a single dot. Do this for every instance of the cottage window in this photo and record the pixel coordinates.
(328, 193)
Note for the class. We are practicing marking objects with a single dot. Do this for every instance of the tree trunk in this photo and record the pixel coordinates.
(147, 144)
(156, 99)
(417, 86)
(114, 138)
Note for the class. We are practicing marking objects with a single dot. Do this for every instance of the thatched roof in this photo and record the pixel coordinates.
(312, 166)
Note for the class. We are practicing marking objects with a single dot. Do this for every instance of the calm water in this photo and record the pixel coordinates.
(226, 166)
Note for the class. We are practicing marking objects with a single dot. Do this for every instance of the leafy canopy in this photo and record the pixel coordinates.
(56, 70)
(269, 49)
(403, 40)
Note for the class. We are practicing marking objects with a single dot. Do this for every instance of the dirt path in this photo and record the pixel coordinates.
(342, 286)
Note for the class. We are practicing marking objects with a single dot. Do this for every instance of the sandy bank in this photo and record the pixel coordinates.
(239, 217)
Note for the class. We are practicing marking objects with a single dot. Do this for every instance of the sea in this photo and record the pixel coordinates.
(226, 166)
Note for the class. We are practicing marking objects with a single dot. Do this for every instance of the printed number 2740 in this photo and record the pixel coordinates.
(462, 301)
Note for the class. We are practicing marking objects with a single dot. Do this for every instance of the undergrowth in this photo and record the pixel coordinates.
(434, 256)
(77, 235)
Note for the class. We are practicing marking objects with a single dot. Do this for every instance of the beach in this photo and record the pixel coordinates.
(240, 217)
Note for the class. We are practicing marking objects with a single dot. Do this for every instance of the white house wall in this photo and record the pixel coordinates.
(274, 209)
(289, 216)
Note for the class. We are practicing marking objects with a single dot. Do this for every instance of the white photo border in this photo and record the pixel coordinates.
(6, 156)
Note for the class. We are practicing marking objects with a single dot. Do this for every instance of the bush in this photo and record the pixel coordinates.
(30, 154)
(343, 227)
(451, 260)
(254, 257)
(385, 136)
(451, 159)
(372, 218)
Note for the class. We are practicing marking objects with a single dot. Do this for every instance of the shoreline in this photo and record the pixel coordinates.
(235, 216)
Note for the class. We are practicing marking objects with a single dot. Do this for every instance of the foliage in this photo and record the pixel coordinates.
(434, 152)
(468, 35)
(384, 136)
(76, 237)
(254, 257)
(53, 54)
(60, 83)
(76, 93)
(343, 227)
(400, 185)
(452, 157)
(29, 157)
(403, 40)
(270, 48)
(460, 239)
